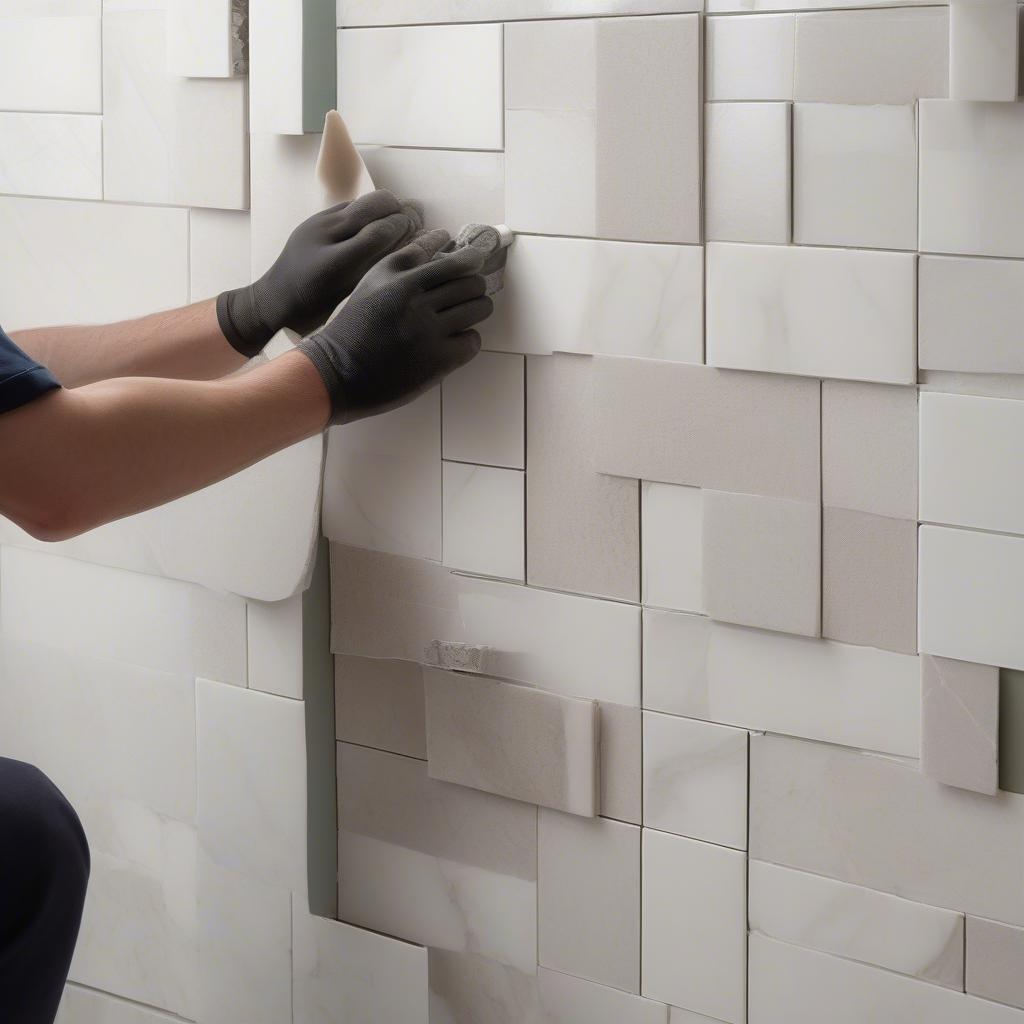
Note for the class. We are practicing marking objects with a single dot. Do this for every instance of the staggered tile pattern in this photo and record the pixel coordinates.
(676, 641)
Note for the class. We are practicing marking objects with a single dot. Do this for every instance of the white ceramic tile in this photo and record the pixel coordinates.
(748, 6)
(85, 1006)
(295, 84)
(970, 604)
(887, 827)
(677, 1015)
(816, 312)
(855, 176)
(960, 723)
(219, 243)
(694, 425)
(434, 863)
(749, 58)
(484, 520)
(199, 38)
(410, 12)
(858, 924)
(588, 899)
(166, 139)
(388, 607)
(621, 762)
(994, 954)
(512, 740)
(482, 410)
(116, 261)
(694, 928)
(380, 704)
(275, 646)
(869, 56)
(573, 1000)
(50, 63)
(251, 807)
(983, 41)
(468, 987)
(968, 314)
(436, 86)
(612, 298)
(789, 985)
(672, 527)
(969, 454)
(382, 481)
(695, 779)
(971, 162)
(747, 172)
(344, 973)
(136, 620)
(51, 155)
(819, 689)
(245, 947)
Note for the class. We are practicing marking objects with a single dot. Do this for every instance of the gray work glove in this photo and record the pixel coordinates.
(407, 325)
(322, 262)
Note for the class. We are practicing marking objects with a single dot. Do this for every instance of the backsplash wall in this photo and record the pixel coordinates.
(677, 639)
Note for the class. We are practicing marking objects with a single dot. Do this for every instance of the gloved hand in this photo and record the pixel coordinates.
(407, 325)
(322, 262)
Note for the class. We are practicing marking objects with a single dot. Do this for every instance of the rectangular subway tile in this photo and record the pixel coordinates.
(54, 155)
(588, 899)
(983, 42)
(816, 312)
(994, 955)
(512, 740)
(433, 86)
(818, 689)
(698, 426)
(762, 562)
(857, 924)
(380, 704)
(749, 58)
(695, 779)
(672, 528)
(960, 723)
(891, 827)
(390, 607)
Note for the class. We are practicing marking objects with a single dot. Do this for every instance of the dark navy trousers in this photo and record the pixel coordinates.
(44, 871)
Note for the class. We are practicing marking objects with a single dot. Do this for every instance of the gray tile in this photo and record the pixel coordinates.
(751, 432)
(995, 953)
(621, 762)
(588, 898)
(379, 704)
(512, 740)
(960, 723)
(869, 447)
(1011, 730)
(762, 562)
(869, 580)
(582, 528)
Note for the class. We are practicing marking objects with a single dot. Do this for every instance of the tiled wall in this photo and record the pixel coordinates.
(678, 647)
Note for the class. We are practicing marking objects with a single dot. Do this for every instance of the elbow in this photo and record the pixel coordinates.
(52, 522)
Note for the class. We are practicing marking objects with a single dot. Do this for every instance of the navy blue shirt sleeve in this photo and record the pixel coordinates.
(21, 378)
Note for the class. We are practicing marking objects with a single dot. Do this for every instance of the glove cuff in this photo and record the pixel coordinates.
(240, 322)
(320, 356)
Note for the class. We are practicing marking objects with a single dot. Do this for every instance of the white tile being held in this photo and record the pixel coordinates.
(855, 175)
(482, 412)
(219, 252)
(430, 86)
(798, 686)
(484, 520)
(694, 928)
(512, 740)
(58, 155)
(600, 297)
(816, 312)
(749, 58)
(994, 953)
(748, 174)
(890, 827)
(51, 63)
(672, 528)
(857, 923)
(695, 779)
(983, 44)
(588, 899)
(970, 603)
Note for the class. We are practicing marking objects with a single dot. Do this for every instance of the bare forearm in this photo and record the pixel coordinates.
(182, 344)
(77, 459)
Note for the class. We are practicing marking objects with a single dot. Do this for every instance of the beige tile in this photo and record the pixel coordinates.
(995, 952)
(379, 704)
(621, 762)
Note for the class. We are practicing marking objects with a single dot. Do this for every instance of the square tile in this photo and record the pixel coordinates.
(748, 175)
(749, 58)
(695, 779)
(994, 953)
(588, 899)
(672, 529)
(762, 562)
(51, 155)
(983, 42)
(484, 520)
(855, 176)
